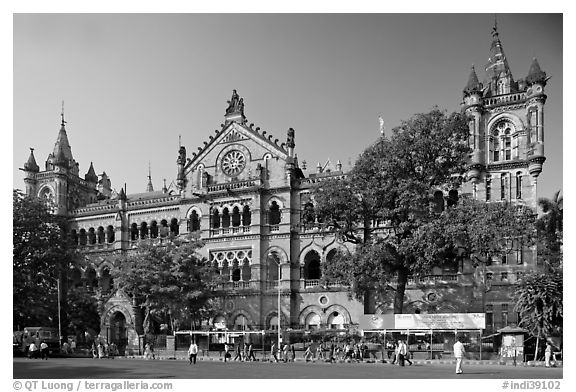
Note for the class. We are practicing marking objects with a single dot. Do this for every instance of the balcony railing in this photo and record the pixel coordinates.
(238, 230)
(311, 283)
(432, 278)
(231, 185)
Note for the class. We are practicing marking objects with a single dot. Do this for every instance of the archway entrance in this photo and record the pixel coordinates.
(118, 333)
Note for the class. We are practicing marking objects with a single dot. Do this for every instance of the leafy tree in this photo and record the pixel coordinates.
(173, 282)
(473, 229)
(82, 311)
(539, 302)
(550, 231)
(391, 184)
(41, 255)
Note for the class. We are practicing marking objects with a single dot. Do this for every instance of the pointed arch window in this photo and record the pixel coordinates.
(488, 188)
(501, 141)
(110, 234)
(225, 218)
(134, 232)
(246, 216)
(519, 185)
(100, 235)
(503, 185)
(194, 222)
(154, 229)
(235, 216)
(216, 219)
(274, 214)
(312, 268)
(174, 227)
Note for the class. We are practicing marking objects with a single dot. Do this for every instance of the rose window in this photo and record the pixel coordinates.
(233, 163)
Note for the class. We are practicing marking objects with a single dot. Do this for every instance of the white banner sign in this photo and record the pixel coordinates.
(440, 321)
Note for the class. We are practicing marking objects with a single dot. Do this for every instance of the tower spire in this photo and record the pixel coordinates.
(149, 187)
(62, 114)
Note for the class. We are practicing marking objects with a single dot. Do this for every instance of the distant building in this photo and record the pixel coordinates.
(252, 202)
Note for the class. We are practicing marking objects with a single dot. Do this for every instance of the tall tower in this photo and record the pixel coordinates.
(506, 120)
(60, 183)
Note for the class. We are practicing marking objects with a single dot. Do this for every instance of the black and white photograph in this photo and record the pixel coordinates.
(241, 195)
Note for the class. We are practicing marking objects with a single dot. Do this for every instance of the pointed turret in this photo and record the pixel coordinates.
(62, 151)
(91, 175)
(30, 164)
(473, 85)
(536, 75)
(149, 187)
(498, 71)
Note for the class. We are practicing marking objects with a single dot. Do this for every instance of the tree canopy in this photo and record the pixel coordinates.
(550, 226)
(41, 255)
(389, 192)
(172, 281)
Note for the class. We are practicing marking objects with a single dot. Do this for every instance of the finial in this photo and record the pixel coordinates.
(62, 114)
(495, 28)
(179, 140)
(149, 170)
(381, 121)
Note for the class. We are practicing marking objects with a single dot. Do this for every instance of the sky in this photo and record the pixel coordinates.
(132, 84)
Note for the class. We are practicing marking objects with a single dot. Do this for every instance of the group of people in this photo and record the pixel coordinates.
(104, 350)
(244, 352)
(38, 351)
(399, 353)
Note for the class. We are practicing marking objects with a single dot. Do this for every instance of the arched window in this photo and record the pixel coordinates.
(216, 219)
(336, 321)
(519, 185)
(274, 214)
(273, 262)
(488, 188)
(503, 186)
(312, 268)
(438, 202)
(134, 232)
(194, 222)
(312, 321)
(91, 236)
(106, 280)
(241, 323)
(235, 217)
(154, 229)
(100, 235)
(225, 218)
(246, 216)
(452, 198)
(235, 271)
(501, 141)
(91, 278)
(246, 271)
(110, 234)
(174, 227)
(533, 124)
(163, 229)
(82, 237)
(143, 230)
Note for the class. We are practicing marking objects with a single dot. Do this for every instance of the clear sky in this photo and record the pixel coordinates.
(132, 83)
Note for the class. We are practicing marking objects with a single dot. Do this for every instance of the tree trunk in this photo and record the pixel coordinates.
(400, 289)
(536, 351)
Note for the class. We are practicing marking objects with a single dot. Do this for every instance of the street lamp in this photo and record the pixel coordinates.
(273, 256)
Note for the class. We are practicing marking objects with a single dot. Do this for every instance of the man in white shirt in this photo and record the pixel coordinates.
(459, 353)
(193, 353)
(32, 351)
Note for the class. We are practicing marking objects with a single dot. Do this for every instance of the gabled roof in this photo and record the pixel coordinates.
(235, 131)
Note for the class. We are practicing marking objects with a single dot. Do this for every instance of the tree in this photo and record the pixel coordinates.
(550, 231)
(172, 281)
(539, 302)
(386, 197)
(41, 255)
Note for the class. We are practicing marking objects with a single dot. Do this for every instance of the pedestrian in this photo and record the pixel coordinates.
(408, 354)
(320, 351)
(192, 353)
(308, 354)
(32, 351)
(66, 348)
(245, 352)
(285, 352)
(113, 350)
(274, 351)
(227, 354)
(101, 353)
(251, 356)
(293, 349)
(44, 350)
(459, 353)
(72, 346)
(400, 353)
(548, 355)
(238, 352)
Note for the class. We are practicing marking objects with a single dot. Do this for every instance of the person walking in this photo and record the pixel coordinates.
(293, 350)
(238, 353)
(251, 356)
(308, 353)
(227, 354)
(192, 352)
(459, 353)
(44, 350)
(400, 352)
(408, 354)
(32, 351)
(285, 352)
(548, 355)
(320, 351)
(274, 351)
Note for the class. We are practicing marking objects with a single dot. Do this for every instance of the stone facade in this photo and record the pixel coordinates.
(252, 202)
